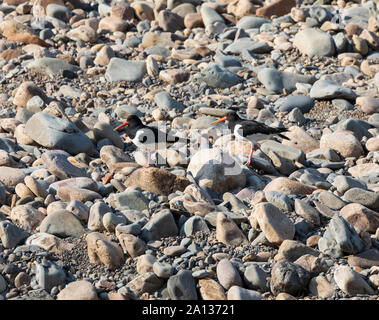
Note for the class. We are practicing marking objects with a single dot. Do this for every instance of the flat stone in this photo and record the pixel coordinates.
(51, 66)
(365, 259)
(158, 181)
(132, 245)
(240, 293)
(216, 170)
(330, 200)
(49, 275)
(256, 279)
(123, 70)
(210, 15)
(279, 199)
(55, 133)
(145, 263)
(239, 45)
(292, 250)
(320, 287)
(133, 199)
(165, 101)
(83, 33)
(11, 176)
(327, 90)
(250, 22)
(345, 183)
(306, 211)
(195, 224)
(216, 76)
(56, 162)
(163, 270)
(303, 103)
(147, 282)
(288, 186)
(275, 80)
(27, 217)
(103, 130)
(284, 151)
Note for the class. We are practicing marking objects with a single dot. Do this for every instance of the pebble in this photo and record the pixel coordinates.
(288, 277)
(163, 270)
(292, 250)
(121, 69)
(102, 250)
(351, 282)
(182, 286)
(360, 217)
(216, 76)
(11, 235)
(52, 132)
(211, 290)
(275, 225)
(363, 197)
(275, 80)
(345, 143)
(78, 290)
(256, 278)
(227, 274)
(314, 42)
(49, 275)
(228, 232)
(320, 287)
(240, 293)
(340, 239)
(161, 225)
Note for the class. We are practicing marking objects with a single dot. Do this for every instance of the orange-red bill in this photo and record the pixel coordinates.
(121, 126)
(219, 120)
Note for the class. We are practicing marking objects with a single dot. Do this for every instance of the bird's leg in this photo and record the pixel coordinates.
(250, 155)
(148, 160)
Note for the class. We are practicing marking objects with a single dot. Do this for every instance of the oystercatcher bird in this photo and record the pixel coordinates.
(243, 128)
(147, 138)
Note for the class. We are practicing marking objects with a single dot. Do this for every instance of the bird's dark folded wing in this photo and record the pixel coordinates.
(252, 126)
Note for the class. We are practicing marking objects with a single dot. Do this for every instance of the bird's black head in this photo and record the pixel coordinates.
(132, 122)
(232, 116)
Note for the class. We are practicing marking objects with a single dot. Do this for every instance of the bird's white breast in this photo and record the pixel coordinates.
(238, 132)
(144, 139)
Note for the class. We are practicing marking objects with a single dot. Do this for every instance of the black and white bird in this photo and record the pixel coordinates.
(147, 138)
(243, 128)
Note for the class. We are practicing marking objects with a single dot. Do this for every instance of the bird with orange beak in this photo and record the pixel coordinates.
(145, 137)
(243, 128)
